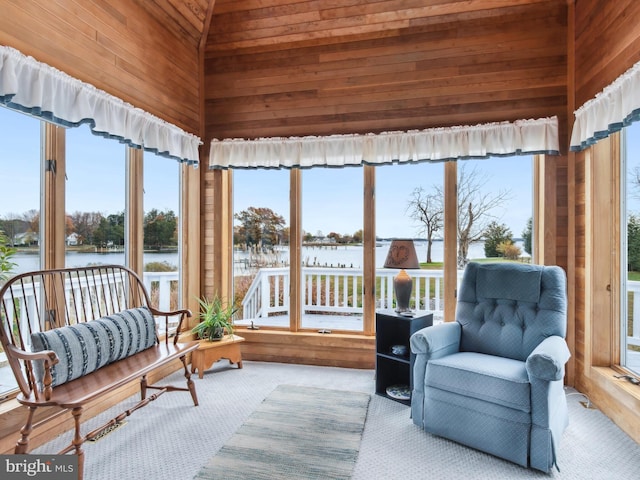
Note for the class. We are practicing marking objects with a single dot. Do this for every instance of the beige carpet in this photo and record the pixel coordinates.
(171, 439)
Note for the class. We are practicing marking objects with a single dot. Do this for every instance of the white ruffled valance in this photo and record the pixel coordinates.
(433, 145)
(40, 90)
(617, 106)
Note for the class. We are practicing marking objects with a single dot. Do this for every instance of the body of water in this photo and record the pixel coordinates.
(27, 262)
(349, 256)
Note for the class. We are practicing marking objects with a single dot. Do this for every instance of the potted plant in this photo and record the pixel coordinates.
(216, 319)
(6, 265)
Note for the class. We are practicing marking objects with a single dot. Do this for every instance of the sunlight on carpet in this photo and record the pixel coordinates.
(297, 432)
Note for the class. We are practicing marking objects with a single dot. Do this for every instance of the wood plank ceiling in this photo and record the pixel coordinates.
(185, 18)
(300, 67)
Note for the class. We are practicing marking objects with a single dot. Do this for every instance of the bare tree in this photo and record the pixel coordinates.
(85, 225)
(476, 208)
(426, 209)
(32, 219)
(634, 180)
(13, 226)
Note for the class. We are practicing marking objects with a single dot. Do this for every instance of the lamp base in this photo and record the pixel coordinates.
(403, 285)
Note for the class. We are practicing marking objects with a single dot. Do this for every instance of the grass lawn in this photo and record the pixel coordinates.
(432, 266)
(440, 265)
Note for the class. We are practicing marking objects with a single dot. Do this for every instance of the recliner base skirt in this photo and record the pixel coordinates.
(491, 428)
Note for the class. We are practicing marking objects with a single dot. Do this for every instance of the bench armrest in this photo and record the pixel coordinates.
(182, 313)
(49, 355)
(49, 359)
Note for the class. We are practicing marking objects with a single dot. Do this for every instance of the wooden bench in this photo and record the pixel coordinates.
(74, 335)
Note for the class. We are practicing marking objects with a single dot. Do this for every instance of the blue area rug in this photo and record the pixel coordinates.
(296, 433)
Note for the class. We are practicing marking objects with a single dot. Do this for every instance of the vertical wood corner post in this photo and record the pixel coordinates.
(190, 228)
(295, 250)
(570, 369)
(369, 277)
(52, 203)
(134, 221)
(222, 233)
(450, 240)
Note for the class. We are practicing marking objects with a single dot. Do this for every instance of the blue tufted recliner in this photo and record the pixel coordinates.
(493, 379)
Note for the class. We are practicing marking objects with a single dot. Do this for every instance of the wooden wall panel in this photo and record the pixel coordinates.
(561, 240)
(337, 350)
(114, 45)
(321, 68)
(607, 43)
(117, 46)
(377, 66)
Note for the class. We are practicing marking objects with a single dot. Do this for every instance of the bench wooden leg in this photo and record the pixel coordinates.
(190, 384)
(22, 446)
(143, 387)
(78, 440)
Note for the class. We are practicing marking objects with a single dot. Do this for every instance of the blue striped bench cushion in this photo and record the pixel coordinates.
(85, 347)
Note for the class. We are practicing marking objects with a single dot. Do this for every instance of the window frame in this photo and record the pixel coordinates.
(53, 214)
(623, 277)
(543, 181)
(603, 277)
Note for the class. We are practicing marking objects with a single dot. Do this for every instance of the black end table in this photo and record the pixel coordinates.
(394, 360)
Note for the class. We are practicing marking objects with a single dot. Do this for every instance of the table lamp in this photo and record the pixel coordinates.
(402, 255)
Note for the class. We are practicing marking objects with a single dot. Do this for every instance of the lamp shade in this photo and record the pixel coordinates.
(402, 254)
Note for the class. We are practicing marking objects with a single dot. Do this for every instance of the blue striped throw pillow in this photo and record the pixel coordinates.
(85, 347)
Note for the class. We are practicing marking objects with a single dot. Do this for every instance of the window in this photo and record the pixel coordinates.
(95, 199)
(409, 205)
(630, 257)
(332, 259)
(20, 162)
(161, 223)
(332, 249)
(495, 209)
(261, 267)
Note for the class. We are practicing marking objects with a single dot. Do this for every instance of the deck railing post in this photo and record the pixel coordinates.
(265, 295)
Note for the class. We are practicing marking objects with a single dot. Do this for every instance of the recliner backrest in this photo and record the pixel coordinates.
(507, 309)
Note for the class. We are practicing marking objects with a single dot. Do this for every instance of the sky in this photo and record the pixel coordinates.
(95, 171)
(332, 198)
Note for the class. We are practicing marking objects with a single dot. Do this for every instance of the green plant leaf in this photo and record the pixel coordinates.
(214, 314)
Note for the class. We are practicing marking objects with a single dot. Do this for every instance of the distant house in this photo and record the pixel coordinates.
(323, 240)
(72, 240)
(25, 238)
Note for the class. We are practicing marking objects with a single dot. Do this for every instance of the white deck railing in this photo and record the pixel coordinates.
(633, 292)
(336, 290)
(339, 290)
(163, 283)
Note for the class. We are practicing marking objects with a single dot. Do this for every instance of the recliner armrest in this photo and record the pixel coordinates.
(547, 360)
(428, 344)
(437, 341)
